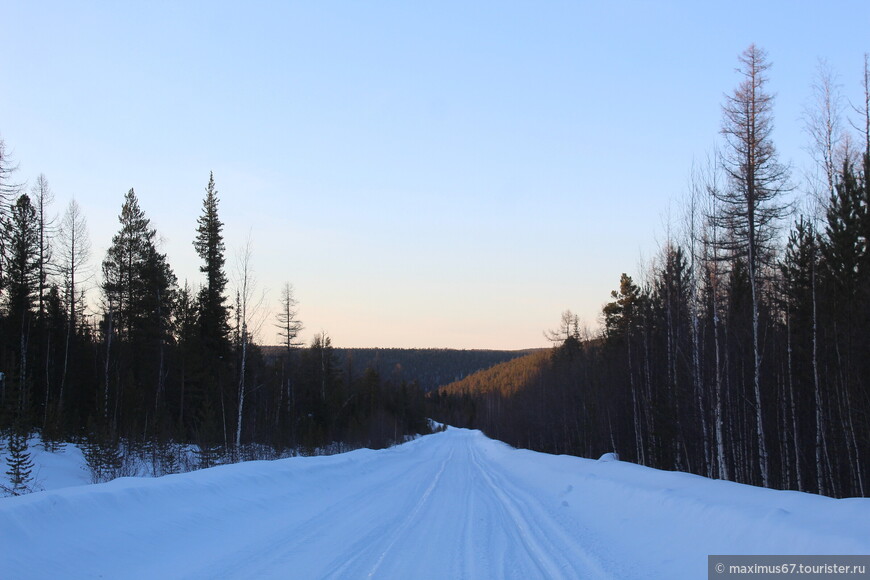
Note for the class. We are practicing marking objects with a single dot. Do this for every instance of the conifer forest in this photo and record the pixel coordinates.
(154, 364)
(740, 351)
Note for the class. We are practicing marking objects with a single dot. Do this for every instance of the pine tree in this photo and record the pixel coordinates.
(845, 244)
(139, 291)
(22, 270)
(21, 233)
(800, 268)
(137, 279)
(123, 284)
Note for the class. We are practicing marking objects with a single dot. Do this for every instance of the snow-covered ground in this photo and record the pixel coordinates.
(449, 505)
(64, 468)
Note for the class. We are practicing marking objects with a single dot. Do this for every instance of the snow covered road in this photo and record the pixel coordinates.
(449, 505)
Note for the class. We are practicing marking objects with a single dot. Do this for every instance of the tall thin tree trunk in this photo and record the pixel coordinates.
(69, 330)
(108, 353)
(859, 470)
(47, 379)
(720, 435)
(242, 385)
(638, 436)
(756, 376)
(23, 389)
(795, 436)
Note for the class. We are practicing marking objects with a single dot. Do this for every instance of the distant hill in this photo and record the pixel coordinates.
(430, 367)
(506, 378)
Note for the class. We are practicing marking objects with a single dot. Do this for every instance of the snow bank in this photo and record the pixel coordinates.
(64, 467)
(447, 505)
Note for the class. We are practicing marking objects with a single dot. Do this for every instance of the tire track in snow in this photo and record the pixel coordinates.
(539, 541)
(398, 532)
(282, 535)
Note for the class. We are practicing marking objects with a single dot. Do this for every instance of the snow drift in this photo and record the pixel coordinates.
(448, 505)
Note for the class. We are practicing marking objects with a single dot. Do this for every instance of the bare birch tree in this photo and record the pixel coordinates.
(250, 321)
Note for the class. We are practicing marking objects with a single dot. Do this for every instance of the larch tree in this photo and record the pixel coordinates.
(287, 322)
(74, 250)
(751, 205)
(42, 198)
(8, 190)
(289, 327)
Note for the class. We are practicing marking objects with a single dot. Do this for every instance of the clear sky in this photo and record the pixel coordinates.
(425, 173)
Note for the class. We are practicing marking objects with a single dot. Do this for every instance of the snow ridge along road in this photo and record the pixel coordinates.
(448, 505)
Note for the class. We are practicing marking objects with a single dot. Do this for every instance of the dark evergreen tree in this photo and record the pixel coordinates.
(125, 262)
(21, 233)
(19, 463)
(139, 289)
(845, 244)
(620, 314)
(22, 270)
(102, 455)
(209, 244)
(188, 368)
(800, 296)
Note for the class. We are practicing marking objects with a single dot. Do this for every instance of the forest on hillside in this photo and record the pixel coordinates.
(156, 365)
(428, 367)
(740, 351)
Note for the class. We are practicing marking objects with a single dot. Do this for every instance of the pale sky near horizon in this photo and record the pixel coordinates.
(426, 174)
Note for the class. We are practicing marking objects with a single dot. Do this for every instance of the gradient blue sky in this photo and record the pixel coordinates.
(426, 174)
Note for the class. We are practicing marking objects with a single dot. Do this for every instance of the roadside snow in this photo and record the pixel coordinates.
(448, 505)
(65, 467)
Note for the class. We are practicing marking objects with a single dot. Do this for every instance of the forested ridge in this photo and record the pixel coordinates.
(428, 367)
(741, 350)
(152, 365)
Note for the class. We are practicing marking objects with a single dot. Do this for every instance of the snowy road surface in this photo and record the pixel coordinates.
(449, 505)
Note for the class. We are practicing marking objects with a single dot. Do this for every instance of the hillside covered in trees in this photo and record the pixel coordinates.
(740, 352)
(430, 368)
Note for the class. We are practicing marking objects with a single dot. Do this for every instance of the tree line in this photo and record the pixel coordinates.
(153, 361)
(741, 351)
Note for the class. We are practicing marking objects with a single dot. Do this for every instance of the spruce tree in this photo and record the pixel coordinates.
(19, 463)
(209, 244)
